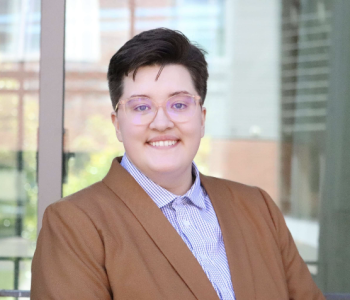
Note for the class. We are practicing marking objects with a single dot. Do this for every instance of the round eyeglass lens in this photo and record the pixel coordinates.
(140, 110)
(181, 107)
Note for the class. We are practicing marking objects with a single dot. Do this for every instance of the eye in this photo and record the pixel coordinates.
(139, 105)
(179, 106)
(142, 108)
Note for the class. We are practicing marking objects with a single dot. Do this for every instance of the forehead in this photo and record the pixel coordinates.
(172, 78)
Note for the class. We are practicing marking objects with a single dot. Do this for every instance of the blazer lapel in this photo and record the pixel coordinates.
(227, 209)
(160, 230)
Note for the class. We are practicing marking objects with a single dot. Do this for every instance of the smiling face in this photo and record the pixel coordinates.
(161, 147)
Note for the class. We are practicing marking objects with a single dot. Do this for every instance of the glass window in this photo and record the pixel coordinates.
(315, 114)
(93, 33)
(19, 74)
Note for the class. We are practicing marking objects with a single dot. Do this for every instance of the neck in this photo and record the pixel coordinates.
(178, 184)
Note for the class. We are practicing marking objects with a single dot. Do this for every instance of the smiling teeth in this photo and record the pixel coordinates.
(163, 143)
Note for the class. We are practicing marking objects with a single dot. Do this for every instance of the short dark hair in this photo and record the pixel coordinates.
(159, 46)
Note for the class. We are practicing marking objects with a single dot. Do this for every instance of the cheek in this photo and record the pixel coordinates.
(133, 136)
(193, 133)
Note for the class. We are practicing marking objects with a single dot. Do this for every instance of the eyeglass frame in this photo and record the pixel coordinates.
(163, 105)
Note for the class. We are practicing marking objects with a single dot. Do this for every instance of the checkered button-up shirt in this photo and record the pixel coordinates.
(193, 217)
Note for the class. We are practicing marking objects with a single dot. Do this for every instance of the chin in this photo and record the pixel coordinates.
(165, 166)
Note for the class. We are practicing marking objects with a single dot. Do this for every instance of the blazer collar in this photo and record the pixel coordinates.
(160, 230)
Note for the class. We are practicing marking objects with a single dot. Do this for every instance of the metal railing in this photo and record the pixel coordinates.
(16, 266)
(26, 294)
(15, 293)
(337, 296)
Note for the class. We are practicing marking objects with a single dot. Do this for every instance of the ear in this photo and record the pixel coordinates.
(203, 116)
(115, 121)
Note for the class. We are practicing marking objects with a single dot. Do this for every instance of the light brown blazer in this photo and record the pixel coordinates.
(111, 241)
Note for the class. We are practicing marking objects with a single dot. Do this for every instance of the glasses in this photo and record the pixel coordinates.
(142, 110)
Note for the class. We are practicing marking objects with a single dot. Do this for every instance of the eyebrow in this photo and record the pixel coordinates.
(170, 95)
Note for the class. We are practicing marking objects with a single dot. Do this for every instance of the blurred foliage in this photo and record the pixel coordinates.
(86, 169)
(24, 197)
(18, 184)
(6, 275)
(93, 151)
(202, 156)
(27, 195)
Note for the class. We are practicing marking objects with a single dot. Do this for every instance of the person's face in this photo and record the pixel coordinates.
(139, 140)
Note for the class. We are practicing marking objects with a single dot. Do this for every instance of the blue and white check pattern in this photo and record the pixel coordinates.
(193, 217)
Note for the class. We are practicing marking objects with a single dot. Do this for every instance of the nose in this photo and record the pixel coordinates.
(161, 121)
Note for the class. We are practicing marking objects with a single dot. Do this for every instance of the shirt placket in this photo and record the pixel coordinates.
(194, 240)
(208, 252)
(183, 220)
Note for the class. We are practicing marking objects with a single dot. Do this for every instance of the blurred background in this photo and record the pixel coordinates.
(278, 112)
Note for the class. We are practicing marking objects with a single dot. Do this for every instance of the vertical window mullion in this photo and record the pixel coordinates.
(51, 104)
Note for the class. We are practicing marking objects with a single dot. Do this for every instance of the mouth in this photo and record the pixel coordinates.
(163, 144)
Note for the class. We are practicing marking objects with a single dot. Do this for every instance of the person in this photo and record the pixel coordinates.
(154, 227)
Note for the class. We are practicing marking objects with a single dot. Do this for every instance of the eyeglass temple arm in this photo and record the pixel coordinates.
(119, 102)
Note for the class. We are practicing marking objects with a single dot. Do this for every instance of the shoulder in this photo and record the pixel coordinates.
(89, 203)
(87, 197)
(246, 198)
(70, 221)
(83, 217)
(233, 186)
(241, 192)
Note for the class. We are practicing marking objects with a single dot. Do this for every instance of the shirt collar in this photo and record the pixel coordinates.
(161, 196)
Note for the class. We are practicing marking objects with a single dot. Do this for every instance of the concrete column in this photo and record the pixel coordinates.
(334, 250)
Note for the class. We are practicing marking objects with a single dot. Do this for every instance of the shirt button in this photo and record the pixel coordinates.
(186, 223)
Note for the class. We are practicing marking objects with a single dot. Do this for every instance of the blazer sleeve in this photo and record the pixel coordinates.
(69, 259)
(299, 281)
